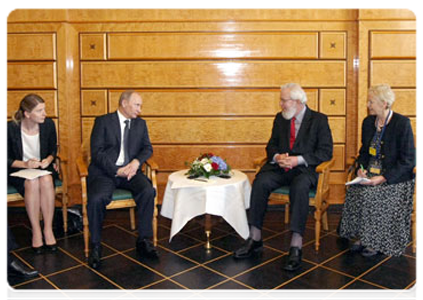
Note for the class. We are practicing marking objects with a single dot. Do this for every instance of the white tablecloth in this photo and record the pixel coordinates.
(185, 199)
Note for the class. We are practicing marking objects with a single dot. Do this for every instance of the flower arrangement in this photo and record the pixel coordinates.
(208, 165)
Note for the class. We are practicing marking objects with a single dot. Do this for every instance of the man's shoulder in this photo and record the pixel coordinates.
(317, 115)
(105, 117)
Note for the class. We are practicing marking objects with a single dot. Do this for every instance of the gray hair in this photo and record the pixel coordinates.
(296, 92)
(384, 93)
(126, 95)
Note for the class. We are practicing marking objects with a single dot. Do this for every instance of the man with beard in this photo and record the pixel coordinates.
(301, 140)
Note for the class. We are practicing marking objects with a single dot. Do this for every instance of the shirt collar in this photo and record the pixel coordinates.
(122, 118)
(299, 118)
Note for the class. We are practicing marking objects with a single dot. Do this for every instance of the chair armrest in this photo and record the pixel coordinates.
(152, 164)
(259, 162)
(325, 165)
(416, 169)
(81, 167)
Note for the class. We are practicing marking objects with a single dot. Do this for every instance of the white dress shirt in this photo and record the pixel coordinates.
(121, 157)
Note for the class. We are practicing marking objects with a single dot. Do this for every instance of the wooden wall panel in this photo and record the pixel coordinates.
(339, 156)
(237, 156)
(396, 73)
(332, 102)
(40, 46)
(209, 130)
(210, 102)
(393, 44)
(87, 126)
(93, 102)
(31, 75)
(212, 74)
(50, 97)
(405, 101)
(128, 46)
(333, 45)
(93, 46)
(337, 126)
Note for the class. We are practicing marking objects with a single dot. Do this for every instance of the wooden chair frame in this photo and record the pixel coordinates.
(150, 169)
(61, 192)
(319, 201)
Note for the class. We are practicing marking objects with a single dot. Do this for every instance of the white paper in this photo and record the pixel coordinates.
(30, 173)
(358, 180)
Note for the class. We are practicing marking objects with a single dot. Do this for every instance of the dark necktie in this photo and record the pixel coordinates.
(126, 143)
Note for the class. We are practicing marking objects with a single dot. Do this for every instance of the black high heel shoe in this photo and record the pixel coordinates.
(51, 248)
(38, 250)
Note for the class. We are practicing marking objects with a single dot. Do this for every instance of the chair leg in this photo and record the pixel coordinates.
(414, 230)
(155, 226)
(287, 213)
(65, 213)
(325, 221)
(317, 217)
(85, 229)
(132, 217)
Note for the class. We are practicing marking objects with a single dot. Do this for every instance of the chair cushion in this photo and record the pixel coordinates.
(121, 194)
(12, 190)
(284, 190)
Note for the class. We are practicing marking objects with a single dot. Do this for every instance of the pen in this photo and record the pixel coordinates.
(362, 168)
(199, 179)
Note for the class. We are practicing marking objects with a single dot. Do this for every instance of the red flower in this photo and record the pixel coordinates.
(215, 166)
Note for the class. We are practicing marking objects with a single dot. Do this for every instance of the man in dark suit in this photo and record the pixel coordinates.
(301, 139)
(119, 146)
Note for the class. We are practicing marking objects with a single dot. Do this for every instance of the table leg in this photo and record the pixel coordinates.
(207, 226)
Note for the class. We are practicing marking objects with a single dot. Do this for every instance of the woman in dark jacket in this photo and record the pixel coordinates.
(32, 144)
(378, 212)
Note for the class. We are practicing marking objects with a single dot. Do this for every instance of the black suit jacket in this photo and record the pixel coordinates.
(397, 148)
(313, 141)
(48, 142)
(106, 140)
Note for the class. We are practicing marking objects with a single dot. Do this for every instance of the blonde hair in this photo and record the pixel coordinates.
(28, 103)
(384, 93)
(296, 92)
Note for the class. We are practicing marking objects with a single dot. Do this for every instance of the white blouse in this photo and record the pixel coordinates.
(30, 146)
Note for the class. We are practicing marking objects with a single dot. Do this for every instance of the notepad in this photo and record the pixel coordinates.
(30, 173)
(357, 180)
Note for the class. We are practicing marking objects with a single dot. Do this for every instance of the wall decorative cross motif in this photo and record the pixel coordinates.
(92, 46)
(332, 102)
(93, 102)
(333, 45)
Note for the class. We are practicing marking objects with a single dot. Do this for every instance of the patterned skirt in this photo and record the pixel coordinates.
(379, 216)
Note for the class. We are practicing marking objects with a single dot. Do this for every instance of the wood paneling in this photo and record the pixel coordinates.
(87, 127)
(229, 102)
(14, 99)
(333, 45)
(209, 130)
(337, 125)
(396, 73)
(238, 157)
(94, 102)
(93, 46)
(41, 46)
(211, 74)
(124, 46)
(332, 102)
(393, 44)
(34, 75)
(405, 102)
(413, 122)
(339, 156)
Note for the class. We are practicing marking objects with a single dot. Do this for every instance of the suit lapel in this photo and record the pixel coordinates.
(305, 124)
(116, 128)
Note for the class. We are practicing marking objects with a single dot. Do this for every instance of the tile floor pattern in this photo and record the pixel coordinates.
(186, 264)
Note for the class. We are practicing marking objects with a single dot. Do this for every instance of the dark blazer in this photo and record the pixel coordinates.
(397, 148)
(48, 142)
(313, 141)
(106, 140)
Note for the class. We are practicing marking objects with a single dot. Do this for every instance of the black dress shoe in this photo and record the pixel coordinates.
(52, 248)
(294, 259)
(94, 258)
(38, 250)
(16, 268)
(248, 248)
(145, 248)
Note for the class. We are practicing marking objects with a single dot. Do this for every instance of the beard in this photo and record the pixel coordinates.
(288, 114)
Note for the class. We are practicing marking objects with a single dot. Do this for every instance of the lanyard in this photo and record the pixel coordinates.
(378, 143)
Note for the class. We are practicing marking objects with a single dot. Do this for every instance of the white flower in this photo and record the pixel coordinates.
(205, 161)
(207, 167)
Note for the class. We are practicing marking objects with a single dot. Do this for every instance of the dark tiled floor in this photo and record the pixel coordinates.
(184, 263)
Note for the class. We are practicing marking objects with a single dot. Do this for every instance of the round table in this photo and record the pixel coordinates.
(184, 199)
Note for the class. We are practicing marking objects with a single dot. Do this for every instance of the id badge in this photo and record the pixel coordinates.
(375, 168)
(372, 151)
